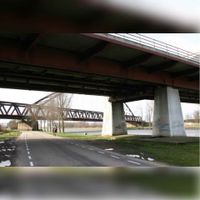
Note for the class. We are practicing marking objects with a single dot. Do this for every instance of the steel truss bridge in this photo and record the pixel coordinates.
(22, 111)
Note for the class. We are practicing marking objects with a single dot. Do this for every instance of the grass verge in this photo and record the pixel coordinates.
(9, 135)
(77, 136)
(180, 154)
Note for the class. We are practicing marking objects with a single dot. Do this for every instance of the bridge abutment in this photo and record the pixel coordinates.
(168, 118)
(114, 120)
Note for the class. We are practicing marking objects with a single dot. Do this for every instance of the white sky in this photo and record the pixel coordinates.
(189, 42)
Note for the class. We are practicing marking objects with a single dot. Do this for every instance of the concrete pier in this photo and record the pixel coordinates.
(168, 118)
(114, 120)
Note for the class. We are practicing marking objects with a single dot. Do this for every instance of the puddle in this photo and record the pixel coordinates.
(150, 159)
(7, 151)
(133, 155)
(141, 156)
(109, 149)
(6, 163)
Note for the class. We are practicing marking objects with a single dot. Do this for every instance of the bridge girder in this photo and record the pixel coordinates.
(10, 110)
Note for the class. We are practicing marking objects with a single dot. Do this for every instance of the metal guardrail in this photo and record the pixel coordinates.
(156, 45)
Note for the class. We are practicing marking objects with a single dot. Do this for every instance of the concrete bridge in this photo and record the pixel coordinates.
(125, 67)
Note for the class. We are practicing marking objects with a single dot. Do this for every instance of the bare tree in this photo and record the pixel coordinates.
(63, 101)
(188, 116)
(149, 112)
(12, 124)
(196, 115)
(51, 113)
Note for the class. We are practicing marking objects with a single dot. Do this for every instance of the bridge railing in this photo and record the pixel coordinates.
(146, 42)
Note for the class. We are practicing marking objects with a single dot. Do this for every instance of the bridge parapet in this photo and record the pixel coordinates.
(146, 42)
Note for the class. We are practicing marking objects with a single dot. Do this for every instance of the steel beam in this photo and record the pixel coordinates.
(135, 62)
(187, 72)
(69, 62)
(29, 41)
(161, 66)
(91, 52)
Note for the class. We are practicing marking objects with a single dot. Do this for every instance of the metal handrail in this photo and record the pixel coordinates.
(156, 45)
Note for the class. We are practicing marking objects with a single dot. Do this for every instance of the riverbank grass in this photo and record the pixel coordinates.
(172, 153)
(5, 135)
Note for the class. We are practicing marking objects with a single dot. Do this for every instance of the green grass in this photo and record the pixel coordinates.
(163, 150)
(181, 154)
(9, 135)
(77, 136)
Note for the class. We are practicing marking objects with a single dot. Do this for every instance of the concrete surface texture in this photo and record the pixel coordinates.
(168, 118)
(114, 121)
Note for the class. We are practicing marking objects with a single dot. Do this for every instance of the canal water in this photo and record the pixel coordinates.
(94, 131)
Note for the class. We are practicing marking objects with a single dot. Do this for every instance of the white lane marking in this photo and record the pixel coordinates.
(133, 162)
(115, 157)
(101, 152)
(91, 149)
(31, 163)
(28, 151)
(29, 157)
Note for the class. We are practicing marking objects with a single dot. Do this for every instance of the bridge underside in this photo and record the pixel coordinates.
(87, 84)
(99, 64)
(91, 64)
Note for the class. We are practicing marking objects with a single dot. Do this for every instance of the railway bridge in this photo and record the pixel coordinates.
(33, 113)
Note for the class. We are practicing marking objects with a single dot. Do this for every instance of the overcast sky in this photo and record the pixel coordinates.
(189, 42)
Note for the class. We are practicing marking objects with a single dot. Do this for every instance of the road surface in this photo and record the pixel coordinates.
(42, 149)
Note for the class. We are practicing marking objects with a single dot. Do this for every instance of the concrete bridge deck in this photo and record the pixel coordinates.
(96, 64)
(108, 65)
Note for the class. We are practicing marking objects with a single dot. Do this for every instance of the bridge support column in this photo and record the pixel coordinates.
(168, 118)
(114, 120)
(35, 125)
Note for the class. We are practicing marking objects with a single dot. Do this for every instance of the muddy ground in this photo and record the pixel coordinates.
(7, 152)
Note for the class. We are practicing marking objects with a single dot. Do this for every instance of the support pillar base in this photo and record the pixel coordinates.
(114, 120)
(168, 118)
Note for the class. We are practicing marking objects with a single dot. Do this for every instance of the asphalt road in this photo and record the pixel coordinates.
(42, 149)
